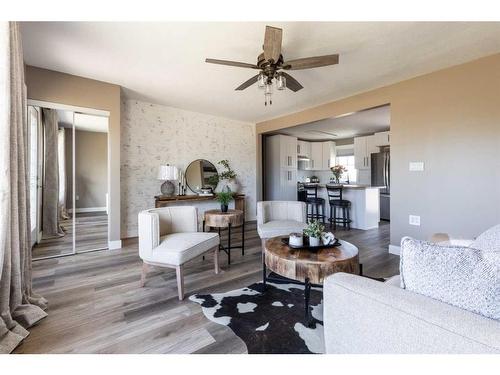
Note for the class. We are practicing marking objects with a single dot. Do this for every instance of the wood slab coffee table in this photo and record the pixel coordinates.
(308, 268)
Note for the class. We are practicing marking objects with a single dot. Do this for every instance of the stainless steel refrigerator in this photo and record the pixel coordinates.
(381, 176)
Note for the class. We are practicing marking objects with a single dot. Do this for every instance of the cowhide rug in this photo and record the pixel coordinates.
(270, 322)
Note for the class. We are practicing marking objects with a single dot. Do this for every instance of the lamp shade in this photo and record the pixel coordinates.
(167, 172)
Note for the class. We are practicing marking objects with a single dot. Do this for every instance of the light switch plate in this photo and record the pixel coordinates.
(416, 166)
(414, 220)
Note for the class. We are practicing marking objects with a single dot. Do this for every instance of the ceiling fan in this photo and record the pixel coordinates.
(271, 65)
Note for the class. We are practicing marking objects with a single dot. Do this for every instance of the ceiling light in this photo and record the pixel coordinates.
(261, 80)
(280, 82)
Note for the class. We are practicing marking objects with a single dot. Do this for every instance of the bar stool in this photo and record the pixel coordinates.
(337, 202)
(315, 203)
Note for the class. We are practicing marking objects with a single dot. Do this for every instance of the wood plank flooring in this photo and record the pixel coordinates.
(97, 306)
(91, 230)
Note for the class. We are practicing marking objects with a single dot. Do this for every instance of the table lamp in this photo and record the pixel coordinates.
(167, 173)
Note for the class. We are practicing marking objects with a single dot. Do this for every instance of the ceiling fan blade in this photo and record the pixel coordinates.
(311, 62)
(292, 83)
(231, 63)
(272, 43)
(248, 83)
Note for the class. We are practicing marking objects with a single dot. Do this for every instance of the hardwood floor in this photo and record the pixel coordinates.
(97, 306)
(91, 233)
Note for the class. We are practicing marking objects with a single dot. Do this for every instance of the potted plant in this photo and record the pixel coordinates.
(313, 231)
(224, 197)
(337, 171)
(228, 177)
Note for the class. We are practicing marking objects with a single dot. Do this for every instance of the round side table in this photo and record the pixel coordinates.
(304, 267)
(222, 220)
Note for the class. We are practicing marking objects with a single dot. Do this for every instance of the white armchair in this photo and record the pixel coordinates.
(169, 237)
(280, 218)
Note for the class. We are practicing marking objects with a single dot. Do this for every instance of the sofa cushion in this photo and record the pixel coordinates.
(280, 228)
(488, 241)
(461, 276)
(178, 248)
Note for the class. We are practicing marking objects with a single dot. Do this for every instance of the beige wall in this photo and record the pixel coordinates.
(67, 89)
(450, 120)
(91, 170)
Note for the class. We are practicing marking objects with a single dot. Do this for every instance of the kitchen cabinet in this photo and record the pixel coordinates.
(364, 147)
(329, 154)
(361, 157)
(316, 156)
(288, 185)
(287, 150)
(322, 156)
(304, 149)
(280, 167)
(381, 139)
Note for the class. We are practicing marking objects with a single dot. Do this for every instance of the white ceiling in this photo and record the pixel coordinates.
(357, 124)
(164, 62)
(89, 123)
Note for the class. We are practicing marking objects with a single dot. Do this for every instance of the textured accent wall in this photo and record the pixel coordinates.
(153, 134)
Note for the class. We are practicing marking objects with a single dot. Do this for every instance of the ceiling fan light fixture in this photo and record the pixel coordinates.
(281, 82)
(270, 63)
(261, 80)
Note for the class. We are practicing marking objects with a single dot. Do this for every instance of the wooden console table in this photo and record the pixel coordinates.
(163, 201)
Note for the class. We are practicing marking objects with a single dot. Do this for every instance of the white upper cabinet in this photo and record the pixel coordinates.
(288, 151)
(329, 154)
(322, 156)
(316, 156)
(364, 147)
(382, 139)
(304, 149)
(361, 154)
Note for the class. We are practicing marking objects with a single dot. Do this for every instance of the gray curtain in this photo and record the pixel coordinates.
(50, 198)
(20, 308)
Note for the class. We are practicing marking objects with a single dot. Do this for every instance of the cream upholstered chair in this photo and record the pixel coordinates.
(280, 218)
(169, 237)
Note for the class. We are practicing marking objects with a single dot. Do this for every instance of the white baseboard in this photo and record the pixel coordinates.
(88, 209)
(393, 249)
(113, 245)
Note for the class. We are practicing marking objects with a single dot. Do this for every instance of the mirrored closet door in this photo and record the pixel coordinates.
(68, 154)
(91, 182)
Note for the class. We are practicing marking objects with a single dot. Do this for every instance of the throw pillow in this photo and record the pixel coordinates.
(488, 241)
(461, 276)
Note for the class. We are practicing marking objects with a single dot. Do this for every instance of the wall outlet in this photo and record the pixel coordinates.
(77, 197)
(416, 166)
(414, 220)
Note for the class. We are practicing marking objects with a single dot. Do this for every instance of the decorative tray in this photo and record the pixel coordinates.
(306, 246)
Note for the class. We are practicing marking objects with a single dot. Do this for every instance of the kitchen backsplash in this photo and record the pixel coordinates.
(324, 176)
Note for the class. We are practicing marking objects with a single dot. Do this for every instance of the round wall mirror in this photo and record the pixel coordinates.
(201, 173)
